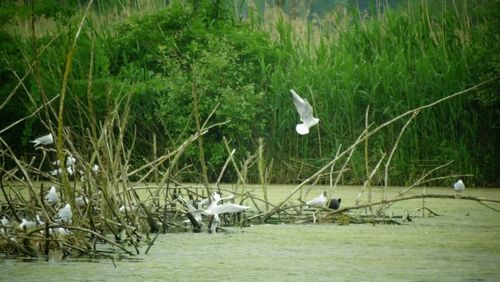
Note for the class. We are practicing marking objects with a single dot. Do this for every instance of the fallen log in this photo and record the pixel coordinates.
(421, 196)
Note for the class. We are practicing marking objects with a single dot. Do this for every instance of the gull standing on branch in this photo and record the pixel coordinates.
(319, 201)
(4, 223)
(52, 197)
(44, 140)
(64, 215)
(306, 114)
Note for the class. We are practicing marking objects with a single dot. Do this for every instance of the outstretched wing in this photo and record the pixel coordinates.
(303, 107)
(225, 208)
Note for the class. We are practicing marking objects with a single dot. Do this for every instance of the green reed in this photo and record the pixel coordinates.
(392, 60)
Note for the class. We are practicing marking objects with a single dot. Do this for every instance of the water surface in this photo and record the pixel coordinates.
(462, 244)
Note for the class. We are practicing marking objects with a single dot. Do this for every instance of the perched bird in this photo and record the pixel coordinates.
(334, 203)
(319, 201)
(81, 201)
(64, 214)
(52, 197)
(59, 231)
(27, 224)
(70, 160)
(43, 140)
(406, 216)
(56, 171)
(70, 170)
(214, 210)
(306, 114)
(127, 208)
(5, 222)
(459, 186)
(95, 168)
(31, 224)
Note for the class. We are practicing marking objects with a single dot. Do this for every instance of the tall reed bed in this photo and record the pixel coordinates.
(248, 54)
(390, 59)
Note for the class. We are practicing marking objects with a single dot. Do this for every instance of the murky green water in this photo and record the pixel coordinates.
(462, 244)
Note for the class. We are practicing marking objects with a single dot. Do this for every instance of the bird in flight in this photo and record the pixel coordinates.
(43, 140)
(306, 114)
(214, 210)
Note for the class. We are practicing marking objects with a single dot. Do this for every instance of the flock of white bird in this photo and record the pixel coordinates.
(213, 208)
(63, 217)
(64, 214)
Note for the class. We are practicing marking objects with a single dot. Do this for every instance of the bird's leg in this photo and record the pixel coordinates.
(210, 222)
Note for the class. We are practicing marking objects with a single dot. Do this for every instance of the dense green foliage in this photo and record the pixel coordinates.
(392, 61)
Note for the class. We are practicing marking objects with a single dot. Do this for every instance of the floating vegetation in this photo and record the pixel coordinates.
(81, 191)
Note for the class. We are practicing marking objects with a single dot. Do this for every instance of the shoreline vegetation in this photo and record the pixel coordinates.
(197, 92)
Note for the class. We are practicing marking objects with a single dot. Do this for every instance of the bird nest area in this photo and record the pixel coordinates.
(109, 227)
(80, 195)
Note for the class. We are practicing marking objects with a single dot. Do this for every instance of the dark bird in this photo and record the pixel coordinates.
(334, 203)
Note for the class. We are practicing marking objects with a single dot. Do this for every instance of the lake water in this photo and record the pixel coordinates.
(462, 244)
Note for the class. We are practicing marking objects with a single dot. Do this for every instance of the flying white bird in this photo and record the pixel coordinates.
(52, 197)
(459, 186)
(43, 140)
(319, 201)
(64, 214)
(306, 114)
(215, 197)
(214, 210)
